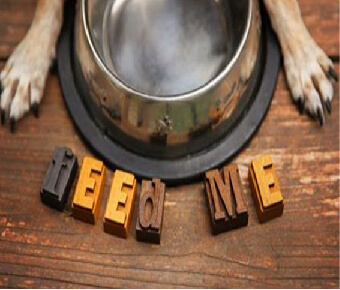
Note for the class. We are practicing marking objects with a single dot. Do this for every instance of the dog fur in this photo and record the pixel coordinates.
(308, 70)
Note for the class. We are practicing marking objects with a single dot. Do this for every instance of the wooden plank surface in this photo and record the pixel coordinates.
(43, 248)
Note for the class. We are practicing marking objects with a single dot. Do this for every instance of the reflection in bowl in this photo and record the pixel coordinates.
(166, 78)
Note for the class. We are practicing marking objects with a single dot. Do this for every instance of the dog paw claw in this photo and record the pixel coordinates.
(35, 109)
(301, 105)
(328, 105)
(13, 125)
(3, 117)
(333, 74)
(307, 76)
(23, 80)
(320, 117)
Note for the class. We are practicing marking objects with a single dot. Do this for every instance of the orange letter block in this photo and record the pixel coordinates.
(265, 188)
(89, 190)
(119, 207)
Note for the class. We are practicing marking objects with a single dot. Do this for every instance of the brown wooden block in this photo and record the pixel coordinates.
(59, 178)
(89, 190)
(227, 207)
(265, 188)
(150, 214)
(119, 208)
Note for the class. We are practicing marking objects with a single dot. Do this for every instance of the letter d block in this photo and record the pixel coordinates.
(265, 188)
(89, 191)
(150, 215)
(119, 208)
(59, 178)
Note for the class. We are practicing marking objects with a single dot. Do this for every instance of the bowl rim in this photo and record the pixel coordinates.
(204, 89)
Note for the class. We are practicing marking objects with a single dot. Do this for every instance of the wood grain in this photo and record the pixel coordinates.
(322, 20)
(321, 17)
(40, 247)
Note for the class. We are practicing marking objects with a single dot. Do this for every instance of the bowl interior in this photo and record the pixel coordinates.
(166, 47)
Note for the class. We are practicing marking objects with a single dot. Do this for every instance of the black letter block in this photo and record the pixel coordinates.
(59, 178)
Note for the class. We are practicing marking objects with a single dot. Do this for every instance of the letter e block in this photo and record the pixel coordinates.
(150, 215)
(119, 208)
(89, 190)
(265, 188)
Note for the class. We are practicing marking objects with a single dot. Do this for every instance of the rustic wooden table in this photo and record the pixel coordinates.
(43, 248)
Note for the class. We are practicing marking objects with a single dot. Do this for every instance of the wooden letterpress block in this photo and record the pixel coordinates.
(89, 190)
(265, 188)
(150, 215)
(119, 208)
(59, 178)
(226, 204)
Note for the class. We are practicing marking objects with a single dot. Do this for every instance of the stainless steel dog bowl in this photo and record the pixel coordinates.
(167, 88)
(166, 78)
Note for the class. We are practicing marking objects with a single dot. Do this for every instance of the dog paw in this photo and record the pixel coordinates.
(310, 74)
(23, 79)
